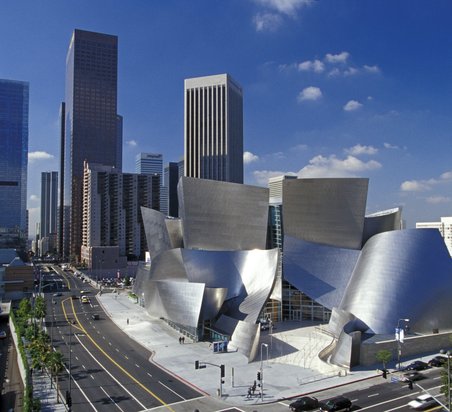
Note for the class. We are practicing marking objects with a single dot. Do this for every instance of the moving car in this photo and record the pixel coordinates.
(437, 361)
(306, 403)
(84, 299)
(416, 366)
(411, 376)
(338, 403)
(423, 402)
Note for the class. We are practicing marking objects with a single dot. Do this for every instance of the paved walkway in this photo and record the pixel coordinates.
(45, 390)
(290, 367)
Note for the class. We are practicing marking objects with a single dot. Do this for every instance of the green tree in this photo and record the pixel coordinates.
(40, 309)
(24, 311)
(39, 351)
(55, 364)
(384, 356)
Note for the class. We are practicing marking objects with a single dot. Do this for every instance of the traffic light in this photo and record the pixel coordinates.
(68, 399)
(196, 364)
(258, 376)
(222, 370)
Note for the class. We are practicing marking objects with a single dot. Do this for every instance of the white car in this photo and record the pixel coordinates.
(423, 402)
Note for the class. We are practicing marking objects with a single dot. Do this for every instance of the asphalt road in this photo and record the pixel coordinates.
(109, 370)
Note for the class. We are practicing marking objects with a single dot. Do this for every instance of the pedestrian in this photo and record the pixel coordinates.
(127, 321)
(183, 339)
(253, 388)
(180, 340)
(249, 392)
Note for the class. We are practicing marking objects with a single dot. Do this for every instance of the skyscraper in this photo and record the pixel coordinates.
(171, 174)
(151, 164)
(213, 128)
(49, 201)
(14, 97)
(91, 117)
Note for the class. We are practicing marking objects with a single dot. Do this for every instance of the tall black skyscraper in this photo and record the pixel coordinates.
(91, 118)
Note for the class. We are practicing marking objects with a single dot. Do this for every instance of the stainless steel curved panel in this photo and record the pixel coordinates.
(221, 215)
(402, 274)
(156, 232)
(321, 272)
(326, 211)
(174, 228)
(212, 302)
(380, 222)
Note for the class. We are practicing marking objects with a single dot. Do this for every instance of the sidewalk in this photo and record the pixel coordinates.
(46, 392)
(290, 368)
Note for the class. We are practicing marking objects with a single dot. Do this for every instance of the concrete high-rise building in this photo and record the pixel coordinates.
(91, 118)
(14, 100)
(213, 128)
(171, 174)
(112, 216)
(444, 227)
(49, 201)
(151, 164)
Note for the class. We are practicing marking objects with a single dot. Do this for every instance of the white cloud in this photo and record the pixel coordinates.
(390, 146)
(370, 98)
(249, 157)
(315, 65)
(39, 155)
(34, 198)
(321, 166)
(360, 150)
(446, 176)
(372, 69)
(310, 93)
(337, 58)
(262, 176)
(287, 7)
(267, 21)
(351, 71)
(300, 147)
(334, 73)
(415, 186)
(352, 105)
(434, 200)
(132, 143)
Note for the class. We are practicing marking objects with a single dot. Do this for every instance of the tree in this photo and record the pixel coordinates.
(39, 350)
(40, 308)
(24, 310)
(384, 356)
(55, 364)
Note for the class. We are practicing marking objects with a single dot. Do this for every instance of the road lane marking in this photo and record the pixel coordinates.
(374, 394)
(137, 365)
(80, 389)
(126, 357)
(83, 366)
(391, 400)
(92, 377)
(149, 374)
(111, 399)
(108, 372)
(167, 387)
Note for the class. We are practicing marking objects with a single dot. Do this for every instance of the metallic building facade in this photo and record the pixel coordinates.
(14, 100)
(213, 128)
(91, 117)
(221, 278)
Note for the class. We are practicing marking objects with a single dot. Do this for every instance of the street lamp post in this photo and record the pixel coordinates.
(262, 371)
(399, 337)
(448, 354)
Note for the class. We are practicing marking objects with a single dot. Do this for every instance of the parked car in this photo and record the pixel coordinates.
(416, 366)
(56, 294)
(423, 402)
(2, 334)
(83, 292)
(437, 361)
(95, 316)
(338, 403)
(306, 403)
(411, 376)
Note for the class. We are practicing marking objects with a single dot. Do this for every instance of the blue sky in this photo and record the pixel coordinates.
(345, 88)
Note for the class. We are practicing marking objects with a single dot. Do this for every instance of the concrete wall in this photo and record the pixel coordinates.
(411, 347)
(19, 357)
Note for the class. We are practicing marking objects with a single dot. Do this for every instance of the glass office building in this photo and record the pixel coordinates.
(14, 98)
(91, 118)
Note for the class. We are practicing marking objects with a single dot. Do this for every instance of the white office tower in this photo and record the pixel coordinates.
(213, 128)
(444, 227)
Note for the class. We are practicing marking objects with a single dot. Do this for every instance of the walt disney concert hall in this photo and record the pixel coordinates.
(217, 270)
